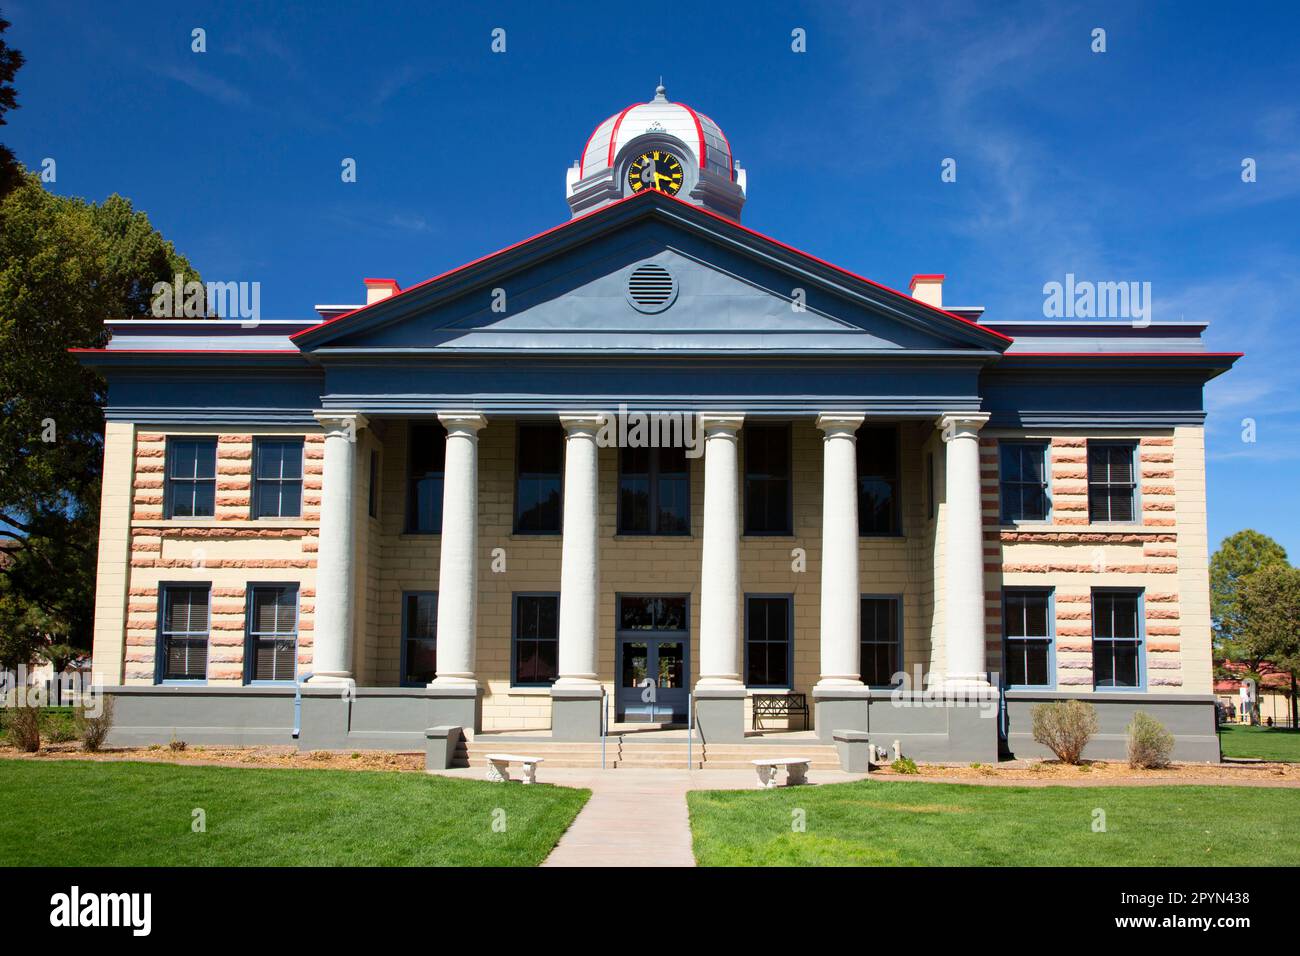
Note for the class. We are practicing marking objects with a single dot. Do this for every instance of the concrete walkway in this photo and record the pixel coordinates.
(638, 817)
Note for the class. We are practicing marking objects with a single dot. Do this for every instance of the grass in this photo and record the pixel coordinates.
(1267, 743)
(869, 823)
(119, 813)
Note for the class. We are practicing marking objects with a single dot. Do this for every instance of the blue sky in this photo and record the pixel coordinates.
(1123, 165)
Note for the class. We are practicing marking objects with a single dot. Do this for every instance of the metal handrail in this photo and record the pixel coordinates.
(690, 731)
(604, 726)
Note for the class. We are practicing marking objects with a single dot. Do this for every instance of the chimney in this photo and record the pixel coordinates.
(928, 289)
(377, 289)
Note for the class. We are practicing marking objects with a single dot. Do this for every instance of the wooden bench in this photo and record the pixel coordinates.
(796, 770)
(498, 767)
(778, 705)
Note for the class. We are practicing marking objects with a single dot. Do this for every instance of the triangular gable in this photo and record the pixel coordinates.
(567, 289)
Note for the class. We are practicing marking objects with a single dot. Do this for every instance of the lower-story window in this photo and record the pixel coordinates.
(183, 632)
(536, 639)
(272, 647)
(419, 638)
(1027, 638)
(767, 640)
(881, 634)
(1117, 638)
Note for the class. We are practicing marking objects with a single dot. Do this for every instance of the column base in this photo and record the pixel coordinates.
(576, 710)
(720, 711)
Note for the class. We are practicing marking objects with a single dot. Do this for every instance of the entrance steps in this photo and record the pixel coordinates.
(626, 751)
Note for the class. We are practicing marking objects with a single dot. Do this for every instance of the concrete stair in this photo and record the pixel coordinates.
(627, 752)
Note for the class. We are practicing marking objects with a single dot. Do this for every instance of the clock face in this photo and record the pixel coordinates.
(656, 169)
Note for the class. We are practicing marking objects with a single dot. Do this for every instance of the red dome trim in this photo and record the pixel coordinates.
(698, 129)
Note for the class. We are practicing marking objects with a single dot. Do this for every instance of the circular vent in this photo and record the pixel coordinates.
(651, 288)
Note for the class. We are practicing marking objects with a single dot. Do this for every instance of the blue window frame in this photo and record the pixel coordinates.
(539, 479)
(535, 640)
(271, 634)
(769, 641)
(1023, 481)
(419, 637)
(879, 508)
(1028, 638)
(881, 637)
(768, 484)
(183, 627)
(426, 456)
(277, 477)
(1112, 481)
(191, 490)
(1118, 639)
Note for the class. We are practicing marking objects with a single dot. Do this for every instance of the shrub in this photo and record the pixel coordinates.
(1065, 727)
(94, 730)
(177, 745)
(1149, 744)
(25, 728)
(904, 765)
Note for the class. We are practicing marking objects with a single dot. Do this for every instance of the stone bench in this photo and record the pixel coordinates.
(796, 770)
(498, 767)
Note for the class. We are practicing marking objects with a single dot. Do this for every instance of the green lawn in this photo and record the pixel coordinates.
(870, 823)
(1267, 743)
(79, 813)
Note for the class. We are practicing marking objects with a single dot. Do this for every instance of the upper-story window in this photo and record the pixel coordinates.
(1112, 488)
(191, 477)
(277, 477)
(878, 505)
(539, 479)
(426, 458)
(654, 491)
(767, 480)
(1023, 481)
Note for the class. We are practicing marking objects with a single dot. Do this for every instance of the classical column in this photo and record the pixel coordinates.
(963, 590)
(458, 558)
(720, 575)
(580, 552)
(335, 604)
(840, 617)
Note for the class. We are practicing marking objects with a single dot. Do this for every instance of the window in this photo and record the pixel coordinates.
(932, 504)
(272, 646)
(882, 641)
(419, 638)
(767, 640)
(536, 640)
(878, 509)
(191, 477)
(372, 489)
(767, 480)
(1110, 481)
(539, 479)
(654, 491)
(1116, 639)
(277, 478)
(426, 458)
(1027, 638)
(1023, 481)
(183, 632)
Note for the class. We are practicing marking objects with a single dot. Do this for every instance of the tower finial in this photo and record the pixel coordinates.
(661, 94)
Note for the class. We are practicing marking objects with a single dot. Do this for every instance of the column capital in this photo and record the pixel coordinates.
(721, 423)
(961, 424)
(835, 424)
(575, 423)
(347, 423)
(462, 421)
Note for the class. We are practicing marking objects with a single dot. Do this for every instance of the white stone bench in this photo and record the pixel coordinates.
(796, 770)
(498, 767)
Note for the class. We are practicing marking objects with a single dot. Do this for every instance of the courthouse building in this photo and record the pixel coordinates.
(646, 467)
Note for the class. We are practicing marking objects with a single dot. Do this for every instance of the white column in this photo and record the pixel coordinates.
(720, 576)
(840, 648)
(580, 552)
(335, 599)
(963, 543)
(458, 558)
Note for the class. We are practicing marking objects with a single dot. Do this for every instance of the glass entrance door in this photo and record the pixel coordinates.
(653, 659)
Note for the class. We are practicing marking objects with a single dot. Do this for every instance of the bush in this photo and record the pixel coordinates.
(177, 745)
(904, 765)
(93, 730)
(1065, 727)
(25, 728)
(1149, 744)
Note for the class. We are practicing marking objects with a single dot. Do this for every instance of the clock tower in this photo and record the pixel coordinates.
(660, 145)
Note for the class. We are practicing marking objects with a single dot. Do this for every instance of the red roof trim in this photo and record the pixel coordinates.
(699, 129)
(188, 351)
(1012, 355)
(613, 133)
(925, 277)
(392, 282)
